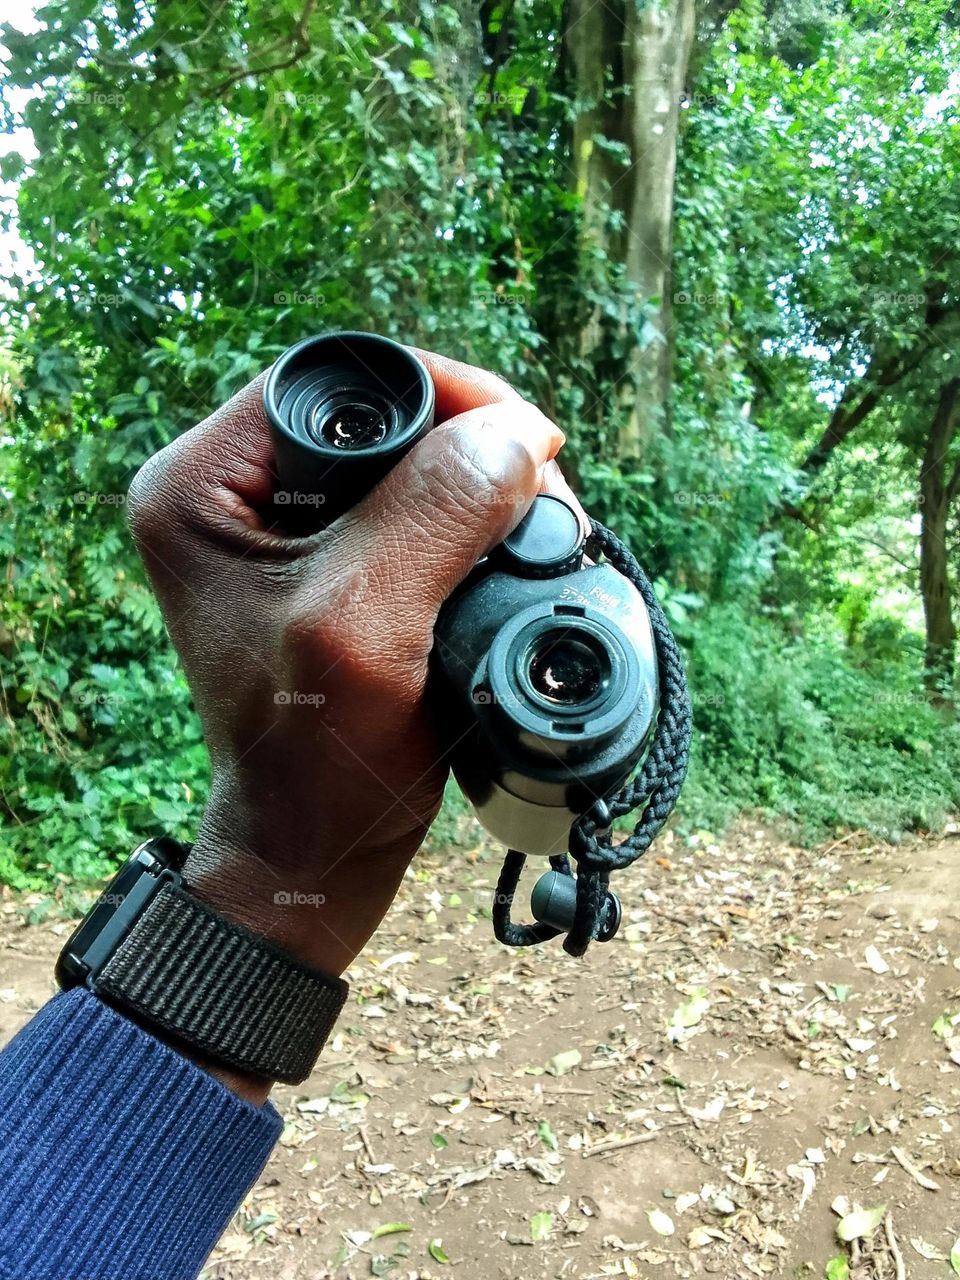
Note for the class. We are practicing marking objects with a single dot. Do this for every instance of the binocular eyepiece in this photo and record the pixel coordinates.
(343, 409)
(549, 660)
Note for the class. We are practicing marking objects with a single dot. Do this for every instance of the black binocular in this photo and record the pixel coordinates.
(550, 659)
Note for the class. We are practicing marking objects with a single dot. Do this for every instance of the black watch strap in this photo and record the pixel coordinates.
(220, 989)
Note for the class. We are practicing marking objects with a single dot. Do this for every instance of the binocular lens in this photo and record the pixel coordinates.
(351, 426)
(568, 670)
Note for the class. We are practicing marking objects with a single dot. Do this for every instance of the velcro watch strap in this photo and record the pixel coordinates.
(220, 989)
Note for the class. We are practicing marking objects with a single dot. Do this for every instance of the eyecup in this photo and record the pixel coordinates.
(317, 480)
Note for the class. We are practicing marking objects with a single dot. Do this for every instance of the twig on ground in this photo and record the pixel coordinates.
(894, 1248)
(366, 1145)
(837, 843)
(908, 1166)
(618, 1144)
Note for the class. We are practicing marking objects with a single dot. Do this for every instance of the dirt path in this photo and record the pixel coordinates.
(757, 1043)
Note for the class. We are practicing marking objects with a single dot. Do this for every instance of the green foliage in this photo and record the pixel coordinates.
(236, 184)
(794, 727)
(99, 741)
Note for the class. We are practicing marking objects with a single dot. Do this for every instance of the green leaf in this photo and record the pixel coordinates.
(401, 34)
(439, 1141)
(955, 1257)
(945, 1025)
(420, 69)
(541, 1224)
(689, 1014)
(390, 1229)
(436, 1251)
(259, 1222)
(837, 1268)
(547, 1136)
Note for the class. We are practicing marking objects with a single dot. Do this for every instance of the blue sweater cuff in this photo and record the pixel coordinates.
(118, 1157)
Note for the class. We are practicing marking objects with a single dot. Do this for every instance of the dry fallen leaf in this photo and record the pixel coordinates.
(661, 1222)
(561, 1063)
(860, 1223)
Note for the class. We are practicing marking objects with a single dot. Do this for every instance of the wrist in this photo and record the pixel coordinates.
(197, 978)
(320, 903)
(246, 888)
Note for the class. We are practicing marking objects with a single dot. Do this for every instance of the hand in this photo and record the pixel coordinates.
(307, 657)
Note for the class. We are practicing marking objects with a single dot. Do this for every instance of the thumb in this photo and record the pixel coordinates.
(458, 493)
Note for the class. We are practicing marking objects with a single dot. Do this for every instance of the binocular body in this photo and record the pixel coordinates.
(548, 661)
(554, 682)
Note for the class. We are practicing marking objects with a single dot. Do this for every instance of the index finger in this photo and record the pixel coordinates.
(462, 387)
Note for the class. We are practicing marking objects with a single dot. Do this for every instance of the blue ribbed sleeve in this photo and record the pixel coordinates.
(118, 1157)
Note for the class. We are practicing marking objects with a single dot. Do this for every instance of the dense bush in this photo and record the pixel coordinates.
(805, 729)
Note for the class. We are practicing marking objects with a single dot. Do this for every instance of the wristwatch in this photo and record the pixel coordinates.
(159, 954)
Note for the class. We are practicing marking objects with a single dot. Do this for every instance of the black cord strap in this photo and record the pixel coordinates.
(655, 788)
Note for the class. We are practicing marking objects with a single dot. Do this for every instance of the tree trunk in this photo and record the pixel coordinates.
(629, 61)
(936, 495)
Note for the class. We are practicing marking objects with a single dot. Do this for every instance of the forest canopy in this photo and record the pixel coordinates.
(718, 242)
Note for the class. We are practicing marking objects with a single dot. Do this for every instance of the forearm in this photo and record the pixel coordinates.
(118, 1156)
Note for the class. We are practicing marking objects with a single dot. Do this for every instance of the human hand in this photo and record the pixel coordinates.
(307, 657)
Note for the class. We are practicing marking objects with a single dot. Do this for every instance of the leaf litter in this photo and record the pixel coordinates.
(771, 1032)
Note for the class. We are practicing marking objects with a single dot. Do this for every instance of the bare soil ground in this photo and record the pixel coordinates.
(767, 1046)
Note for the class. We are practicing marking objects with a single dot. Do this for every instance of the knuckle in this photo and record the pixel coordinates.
(147, 510)
(475, 468)
(160, 500)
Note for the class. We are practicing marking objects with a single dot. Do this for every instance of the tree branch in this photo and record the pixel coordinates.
(843, 422)
(873, 385)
